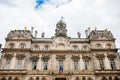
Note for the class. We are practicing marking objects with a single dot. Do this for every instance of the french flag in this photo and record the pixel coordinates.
(60, 69)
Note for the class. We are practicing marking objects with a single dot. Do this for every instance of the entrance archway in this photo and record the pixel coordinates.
(60, 78)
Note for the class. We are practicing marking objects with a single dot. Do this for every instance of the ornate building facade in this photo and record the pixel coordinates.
(26, 57)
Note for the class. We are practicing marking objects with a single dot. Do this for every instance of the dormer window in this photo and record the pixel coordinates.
(22, 45)
(46, 47)
(98, 46)
(36, 47)
(84, 48)
(11, 45)
(108, 46)
(75, 47)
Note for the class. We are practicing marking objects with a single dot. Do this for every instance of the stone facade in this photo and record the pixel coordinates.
(26, 57)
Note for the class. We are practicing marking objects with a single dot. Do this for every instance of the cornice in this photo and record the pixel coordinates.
(16, 50)
(60, 51)
(17, 39)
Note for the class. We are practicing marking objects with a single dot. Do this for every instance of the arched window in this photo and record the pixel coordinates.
(11, 45)
(37, 78)
(10, 78)
(22, 45)
(75, 47)
(89, 78)
(3, 78)
(110, 78)
(46, 47)
(16, 78)
(108, 46)
(36, 47)
(83, 78)
(98, 46)
(84, 48)
(31, 78)
(104, 78)
(116, 78)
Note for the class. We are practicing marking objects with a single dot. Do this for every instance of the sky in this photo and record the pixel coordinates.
(44, 14)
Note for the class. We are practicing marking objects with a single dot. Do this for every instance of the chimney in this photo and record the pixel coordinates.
(86, 33)
(32, 28)
(88, 30)
(0, 47)
(36, 34)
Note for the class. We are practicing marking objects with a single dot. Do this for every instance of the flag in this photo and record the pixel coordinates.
(60, 69)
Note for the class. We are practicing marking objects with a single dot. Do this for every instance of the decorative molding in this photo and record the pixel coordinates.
(45, 56)
(75, 57)
(100, 55)
(34, 56)
(86, 57)
(111, 56)
(60, 57)
(20, 56)
(7, 55)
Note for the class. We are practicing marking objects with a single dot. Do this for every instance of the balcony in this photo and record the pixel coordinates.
(65, 72)
(107, 71)
(12, 71)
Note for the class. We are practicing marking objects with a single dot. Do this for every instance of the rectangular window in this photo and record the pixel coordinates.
(45, 63)
(86, 64)
(75, 64)
(19, 64)
(7, 65)
(34, 64)
(112, 63)
(60, 62)
(101, 63)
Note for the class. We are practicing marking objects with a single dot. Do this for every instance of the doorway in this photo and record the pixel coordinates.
(60, 78)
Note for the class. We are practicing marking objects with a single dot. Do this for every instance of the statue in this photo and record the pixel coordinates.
(43, 34)
(79, 34)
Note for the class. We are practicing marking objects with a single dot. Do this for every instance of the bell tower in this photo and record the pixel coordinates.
(61, 29)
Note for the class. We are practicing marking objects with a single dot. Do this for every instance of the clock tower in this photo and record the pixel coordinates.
(61, 29)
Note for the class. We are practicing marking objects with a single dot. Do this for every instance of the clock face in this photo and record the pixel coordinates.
(60, 31)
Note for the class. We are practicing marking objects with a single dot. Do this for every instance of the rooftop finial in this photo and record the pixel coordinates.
(106, 30)
(25, 28)
(62, 18)
(95, 28)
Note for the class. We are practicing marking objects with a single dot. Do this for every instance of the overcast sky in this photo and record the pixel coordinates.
(43, 16)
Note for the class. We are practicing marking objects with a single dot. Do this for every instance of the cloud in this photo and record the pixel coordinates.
(55, 3)
(78, 15)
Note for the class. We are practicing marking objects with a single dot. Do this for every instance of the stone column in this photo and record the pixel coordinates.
(13, 62)
(3, 62)
(107, 62)
(39, 62)
(81, 63)
(23, 63)
(68, 61)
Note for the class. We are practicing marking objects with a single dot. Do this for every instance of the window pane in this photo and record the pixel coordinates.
(45, 63)
(101, 63)
(7, 65)
(83, 78)
(112, 62)
(86, 64)
(75, 64)
(34, 64)
(19, 64)
(10, 78)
